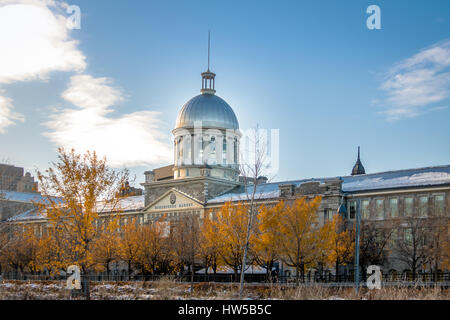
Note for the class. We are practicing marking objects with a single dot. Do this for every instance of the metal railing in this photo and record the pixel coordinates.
(388, 279)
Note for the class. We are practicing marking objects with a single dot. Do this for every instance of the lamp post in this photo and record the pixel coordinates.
(342, 211)
(358, 225)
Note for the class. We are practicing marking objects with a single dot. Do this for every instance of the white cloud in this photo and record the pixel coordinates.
(129, 140)
(416, 83)
(35, 40)
(7, 116)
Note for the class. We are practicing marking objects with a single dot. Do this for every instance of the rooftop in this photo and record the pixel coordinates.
(420, 177)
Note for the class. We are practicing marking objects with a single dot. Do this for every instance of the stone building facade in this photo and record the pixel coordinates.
(205, 175)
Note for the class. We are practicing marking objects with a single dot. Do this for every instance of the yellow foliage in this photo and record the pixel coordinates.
(268, 239)
(209, 244)
(342, 242)
(303, 242)
(81, 183)
(231, 223)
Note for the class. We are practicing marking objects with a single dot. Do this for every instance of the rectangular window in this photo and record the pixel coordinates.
(379, 208)
(393, 205)
(423, 206)
(394, 237)
(408, 236)
(365, 209)
(224, 151)
(409, 207)
(439, 205)
(352, 210)
(328, 215)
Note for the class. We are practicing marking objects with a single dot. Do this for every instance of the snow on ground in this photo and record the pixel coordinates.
(171, 290)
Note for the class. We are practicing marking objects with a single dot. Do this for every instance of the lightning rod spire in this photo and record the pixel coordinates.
(209, 47)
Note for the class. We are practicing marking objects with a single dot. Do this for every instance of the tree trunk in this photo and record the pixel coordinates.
(303, 272)
(337, 270)
(107, 271)
(129, 269)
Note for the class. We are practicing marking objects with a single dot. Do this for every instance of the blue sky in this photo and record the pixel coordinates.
(311, 69)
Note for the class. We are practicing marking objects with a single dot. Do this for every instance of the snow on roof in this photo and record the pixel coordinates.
(32, 214)
(22, 196)
(263, 191)
(421, 177)
(126, 204)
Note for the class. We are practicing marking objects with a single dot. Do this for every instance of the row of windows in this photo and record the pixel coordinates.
(406, 235)
(207, 153)
(390, 208)
(383, 209)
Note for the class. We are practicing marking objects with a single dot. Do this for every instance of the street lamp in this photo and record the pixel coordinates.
(358, 225)
(342, 210)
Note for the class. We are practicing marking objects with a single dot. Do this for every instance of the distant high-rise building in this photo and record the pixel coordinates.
(13, 179)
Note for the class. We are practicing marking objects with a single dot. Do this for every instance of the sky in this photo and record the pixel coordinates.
(311, 69)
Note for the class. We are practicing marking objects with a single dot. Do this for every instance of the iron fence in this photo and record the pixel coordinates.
(388, 279)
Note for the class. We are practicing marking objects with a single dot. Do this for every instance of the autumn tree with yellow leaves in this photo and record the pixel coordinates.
(209, 244)
(154, 256)
(54, 252)
(231, 222)
(20, 253)
(106, 246)
(185, 242)
(302, 240)
(75, 189)
(268, 237)
(342, 242)
(129, 244)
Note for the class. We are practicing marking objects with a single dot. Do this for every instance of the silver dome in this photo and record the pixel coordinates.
(211, 110)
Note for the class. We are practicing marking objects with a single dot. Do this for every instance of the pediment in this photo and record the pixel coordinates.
(173, 200)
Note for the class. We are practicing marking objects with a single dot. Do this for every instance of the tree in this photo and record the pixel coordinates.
(130, 243)
(342, 242)
(252, 170)
(106, 246)
(185, 237)
(438, 242)
(154, 254)
(413, 249)
(374, 243)
(54, 253)
(302, 241)
(210, 245)
(231, 223)
(75, 189)
(4, 241)
(20, 253)
(268, 238)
